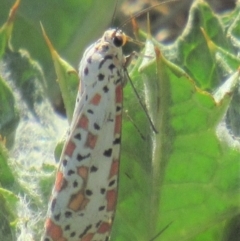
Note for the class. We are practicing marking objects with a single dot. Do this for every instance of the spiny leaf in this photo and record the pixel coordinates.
(191, 45)
(67, 78)
(186, 174)
(6, 29)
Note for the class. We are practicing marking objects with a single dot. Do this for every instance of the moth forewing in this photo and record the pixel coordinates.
(83, 201)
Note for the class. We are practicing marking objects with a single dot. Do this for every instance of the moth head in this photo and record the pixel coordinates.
(117, 37)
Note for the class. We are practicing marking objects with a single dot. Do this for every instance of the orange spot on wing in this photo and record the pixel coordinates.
(114, 168)
(83, 122)
(111, 200)
(60, 182)
(96, 99)
(87, 237)
(91, 140)
(78, 202)
(118, 124)
(119, 94)
(83, 172)
(104, 227)
(54, 231)
(70, 148)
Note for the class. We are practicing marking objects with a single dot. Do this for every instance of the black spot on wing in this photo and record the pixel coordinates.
(101, 208)
(100, 77)
(81, 157)
(85, 231)
(78, 136)
(65, 162)
(118, 108)
(98, 224)
(118, 81)
(86, 71)
(89, 192)
(117, 141)
(70, 172)
(108, 152)
(102, 190)
(118, 73)
(111, 183)
(75, 184)
(93, 169)
(90, 111)
(96, 126)
(111, 66)
(68, 214)
(57, 217)
(104, 60)
(105, 89)
(110, 120)
(67, 227)
(89, 60)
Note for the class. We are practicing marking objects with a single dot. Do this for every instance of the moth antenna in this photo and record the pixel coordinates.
(114, 12)
(142, 105)
(144, 11)
(137, 129)
(158, 234)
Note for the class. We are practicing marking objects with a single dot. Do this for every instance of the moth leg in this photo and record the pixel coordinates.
(129, 58)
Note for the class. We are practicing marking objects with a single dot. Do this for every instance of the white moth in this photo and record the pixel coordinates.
(84, 197)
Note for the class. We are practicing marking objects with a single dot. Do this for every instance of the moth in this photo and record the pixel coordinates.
(84, 197)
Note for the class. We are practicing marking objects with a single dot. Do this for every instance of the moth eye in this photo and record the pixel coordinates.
(118, 41)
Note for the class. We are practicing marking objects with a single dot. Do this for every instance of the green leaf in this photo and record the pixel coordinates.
(192, 45)
(67, 79)
(6, 29)
(185, 175)
(25, 73)
(8, 204)
(9, 117)
(6, 174)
